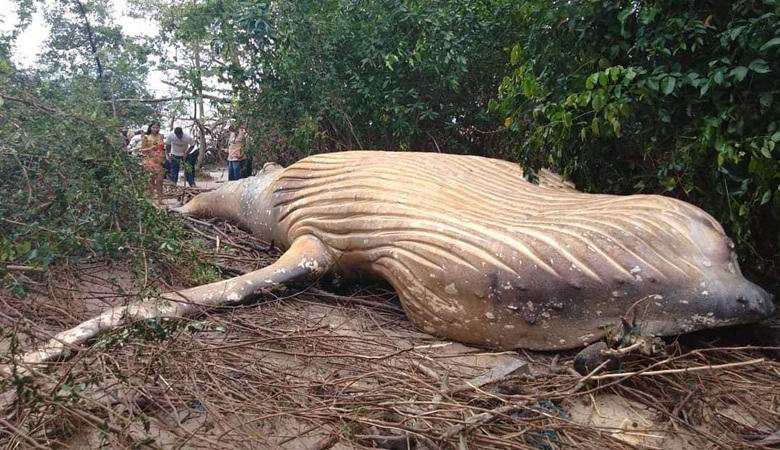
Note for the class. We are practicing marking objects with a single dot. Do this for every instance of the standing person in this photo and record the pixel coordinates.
(153, 153)
(236, 158)
(178, 144)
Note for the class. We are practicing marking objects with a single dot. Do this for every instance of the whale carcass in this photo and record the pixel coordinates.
(476, 253)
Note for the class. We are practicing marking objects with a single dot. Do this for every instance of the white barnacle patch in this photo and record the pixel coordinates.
(684, 302)
(707, 320)
(509, 327)
(705, 293)
(618, 294)
(450, 289)
(562, 341)
(507, 286)
(657, 297)
(490, 315)
(703, 284)
(233, 296)
(310, 264)
(513, 307)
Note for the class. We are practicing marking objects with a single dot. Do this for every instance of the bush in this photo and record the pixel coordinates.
(67, 189)
(656, 96)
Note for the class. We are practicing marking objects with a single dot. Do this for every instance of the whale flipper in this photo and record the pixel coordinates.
(307, 257)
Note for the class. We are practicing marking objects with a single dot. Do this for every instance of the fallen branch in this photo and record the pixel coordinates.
(28, 103)
(686, 370)
(153, 100)
(15, 268)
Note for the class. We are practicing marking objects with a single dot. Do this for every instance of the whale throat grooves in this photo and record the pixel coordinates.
(467, 241)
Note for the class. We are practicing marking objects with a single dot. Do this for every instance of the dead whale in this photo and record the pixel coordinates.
(476, 253)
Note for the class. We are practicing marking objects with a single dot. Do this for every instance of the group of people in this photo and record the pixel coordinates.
(163, 156)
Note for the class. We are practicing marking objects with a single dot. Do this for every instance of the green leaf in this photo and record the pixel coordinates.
(652, 83)
(766, 197)
(567, 120)
(598, 100)
(594, 126)
(739, 73)
(759, 66)
(590, 82)
(603, 79)
(774, 42)
(667, 85)
(517, 53)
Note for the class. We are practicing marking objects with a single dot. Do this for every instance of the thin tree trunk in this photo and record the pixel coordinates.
(200, 108)
(104, 88)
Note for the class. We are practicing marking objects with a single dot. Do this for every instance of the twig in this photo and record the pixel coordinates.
(685, 370)
(15, 268)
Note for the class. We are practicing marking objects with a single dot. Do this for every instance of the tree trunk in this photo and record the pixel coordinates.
(200, 108)
(104, 88)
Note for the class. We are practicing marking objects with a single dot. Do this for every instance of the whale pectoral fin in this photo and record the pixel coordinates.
(307, 257)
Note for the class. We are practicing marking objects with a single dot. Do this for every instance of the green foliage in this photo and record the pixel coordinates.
(656, 96)
(67, 188)
(69, 58)
(336, 74)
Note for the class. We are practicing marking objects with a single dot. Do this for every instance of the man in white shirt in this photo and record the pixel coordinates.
(178, 144)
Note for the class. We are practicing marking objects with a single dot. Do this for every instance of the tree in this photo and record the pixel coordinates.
(343, 74)
(68, 187)
(85, 44)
